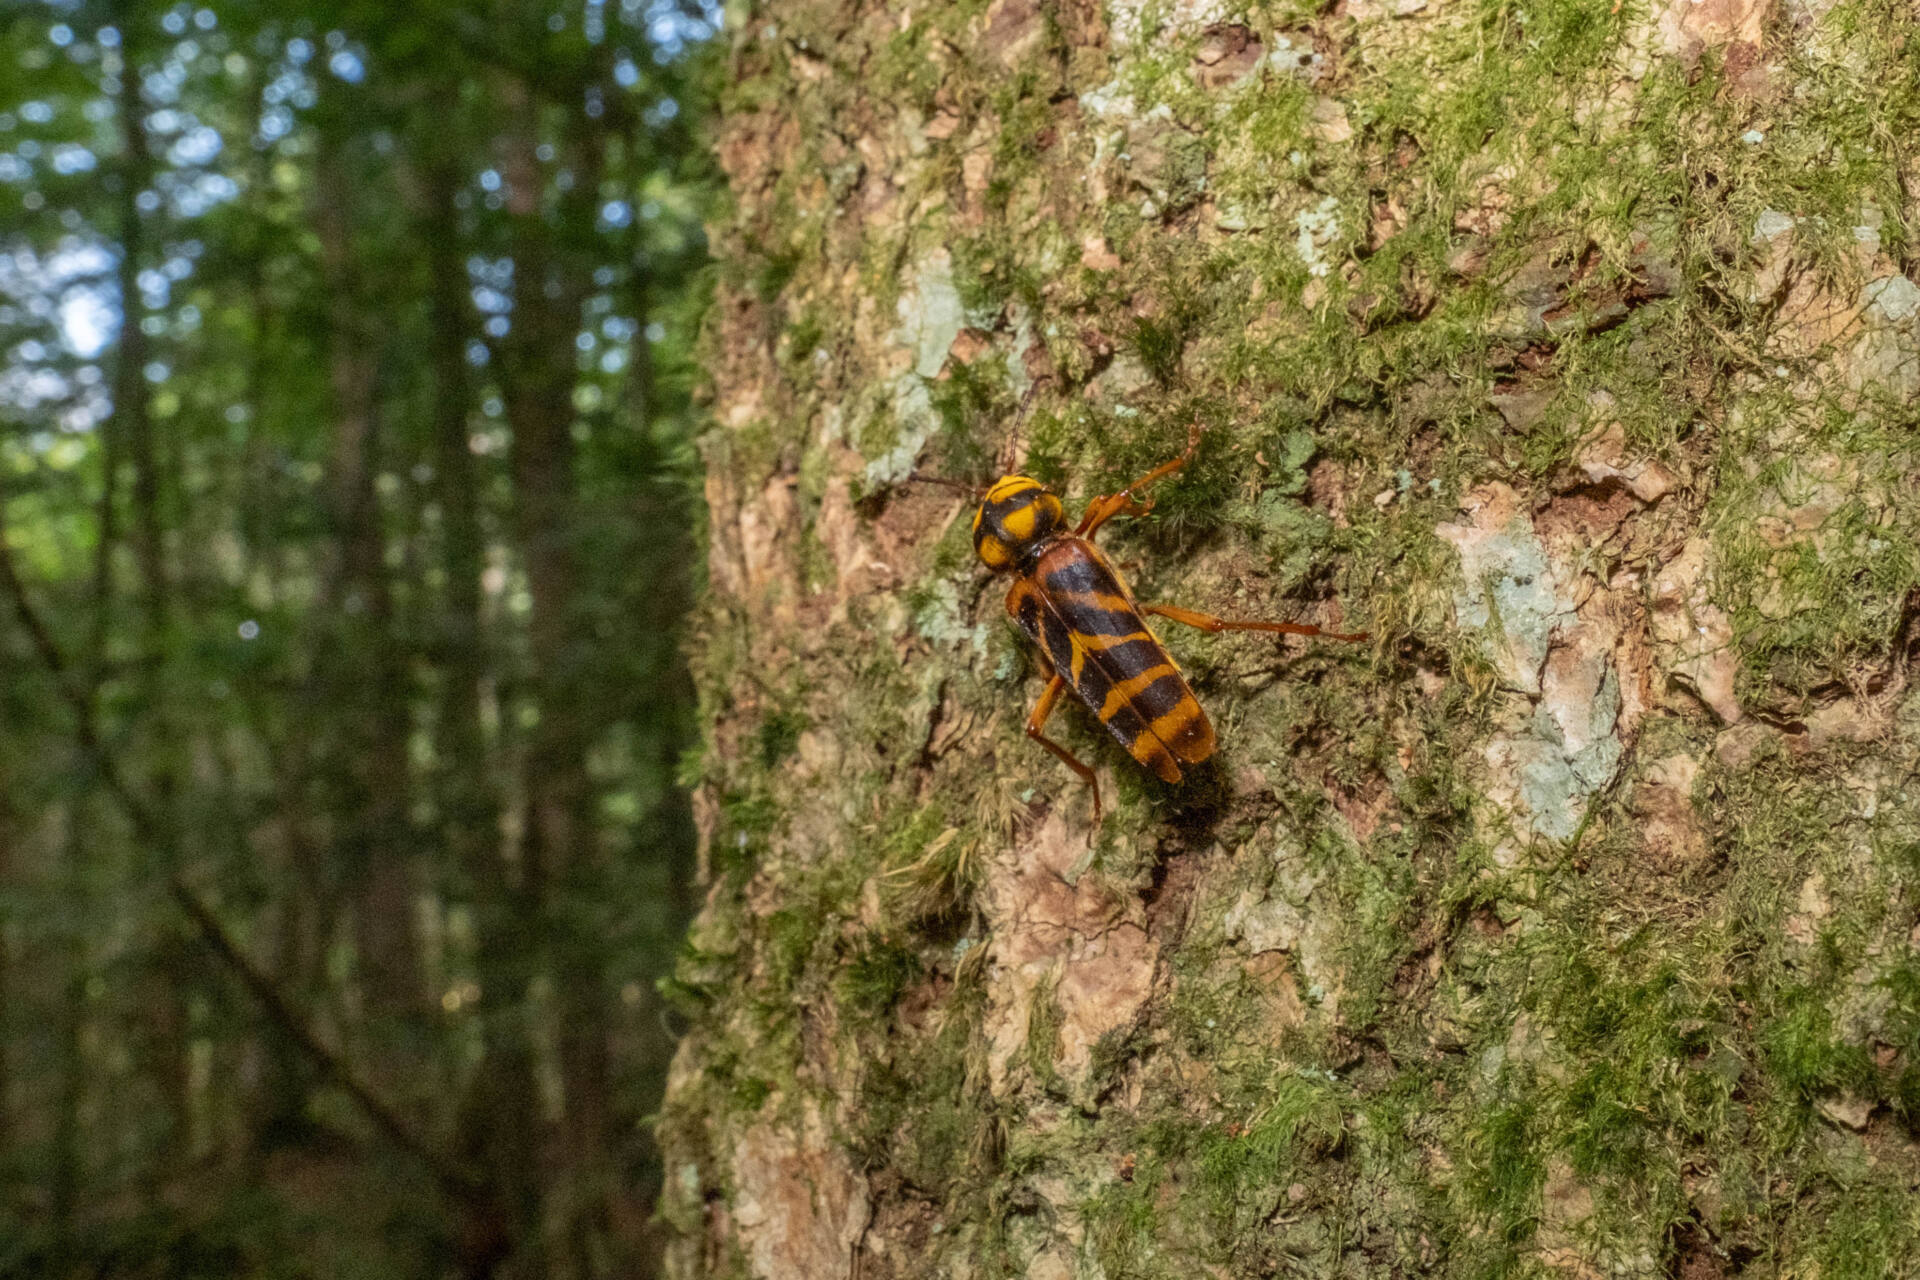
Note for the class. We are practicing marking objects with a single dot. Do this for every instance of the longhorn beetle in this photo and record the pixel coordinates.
(1071, 602)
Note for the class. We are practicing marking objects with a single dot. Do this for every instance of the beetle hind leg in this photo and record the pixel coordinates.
(1038, 720)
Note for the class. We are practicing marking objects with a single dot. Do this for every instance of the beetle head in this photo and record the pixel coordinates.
(1015, 517)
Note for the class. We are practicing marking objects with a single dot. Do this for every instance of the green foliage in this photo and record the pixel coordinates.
(346, 458)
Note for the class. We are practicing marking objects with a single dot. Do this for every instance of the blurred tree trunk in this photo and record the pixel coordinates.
(303, 917)
(362, 663)
(562, 863)
(8, 1003)
(1567, 927)
(499, 1118)
(68, 1161)
(161, 991)
(302, 926)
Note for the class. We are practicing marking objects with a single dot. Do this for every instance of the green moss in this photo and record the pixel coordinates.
(1868, 1232)
(746, 820)
(788, 940)
(1803, 1056)
(803, 337)
(931, 870)
(1508, 1167)
(1242, 1170)
(774, 271)
(1044, 1021)
(927, 1112)
(1213, 1191)
(778, 735)
(1124, 1223)
(872, 978)
(750, 1093)
(1024, 115)
(1159, 342)
(970, 402)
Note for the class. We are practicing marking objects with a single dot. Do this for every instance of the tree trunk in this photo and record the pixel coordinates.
(9, 1138)
(161, 1045)
(500, 1114)
(563, 866)
(1565, 926)
(362, 664)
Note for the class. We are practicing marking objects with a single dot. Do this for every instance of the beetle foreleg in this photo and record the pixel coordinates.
(1102, 509)
(1037, 721)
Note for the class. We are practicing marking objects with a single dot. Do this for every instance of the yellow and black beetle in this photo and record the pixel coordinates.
(1067, 596)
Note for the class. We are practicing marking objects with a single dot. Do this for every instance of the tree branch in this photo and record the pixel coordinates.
(332, 1067)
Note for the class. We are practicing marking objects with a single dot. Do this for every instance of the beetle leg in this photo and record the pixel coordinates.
(1037, 721)
(1102, 509)
(1207, 622)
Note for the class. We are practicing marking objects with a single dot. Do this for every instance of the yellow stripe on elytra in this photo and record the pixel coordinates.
(1149, 751)
(1123, 693)
(1103, 602)
(1094, 641)
(1171, 724)
(1086, 642)
(1145, 748)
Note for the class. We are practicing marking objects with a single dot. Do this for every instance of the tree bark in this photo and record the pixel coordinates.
(1566, 925)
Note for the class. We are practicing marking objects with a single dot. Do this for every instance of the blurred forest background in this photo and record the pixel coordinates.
(347, 485)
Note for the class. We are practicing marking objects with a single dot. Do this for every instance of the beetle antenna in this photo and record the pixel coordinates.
(969, 489)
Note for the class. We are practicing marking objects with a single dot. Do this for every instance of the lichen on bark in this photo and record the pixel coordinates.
(1568, 927)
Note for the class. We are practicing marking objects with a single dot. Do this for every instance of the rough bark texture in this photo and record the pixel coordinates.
(1569, 926)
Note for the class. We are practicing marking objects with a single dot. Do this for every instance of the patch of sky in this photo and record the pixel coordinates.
(71, 157)
(199, 145)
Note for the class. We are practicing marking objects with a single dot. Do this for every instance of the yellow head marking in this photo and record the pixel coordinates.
(1007, 486)
(1020, 522)
(993, 552)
